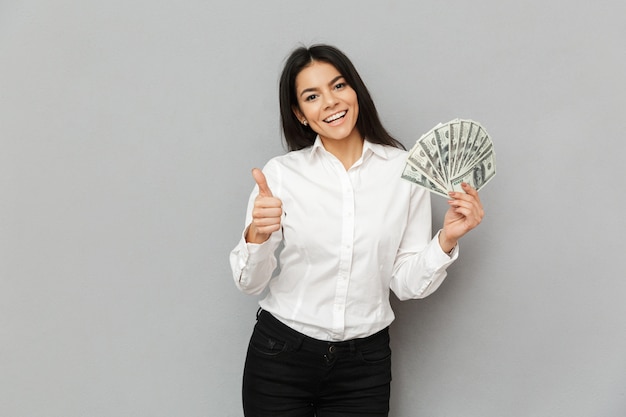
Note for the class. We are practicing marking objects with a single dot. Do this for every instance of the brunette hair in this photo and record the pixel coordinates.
(298, 136)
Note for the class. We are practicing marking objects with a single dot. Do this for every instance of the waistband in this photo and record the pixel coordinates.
(298, 340)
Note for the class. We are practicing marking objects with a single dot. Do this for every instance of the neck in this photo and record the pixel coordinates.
(347, 150)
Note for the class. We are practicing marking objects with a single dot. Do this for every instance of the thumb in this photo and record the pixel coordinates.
(259, 178)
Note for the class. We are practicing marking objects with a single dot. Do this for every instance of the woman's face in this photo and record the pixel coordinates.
(327, 102)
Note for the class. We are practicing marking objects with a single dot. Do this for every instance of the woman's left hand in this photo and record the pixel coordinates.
(465, 213)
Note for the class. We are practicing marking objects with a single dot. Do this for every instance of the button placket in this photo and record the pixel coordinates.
(345, 260)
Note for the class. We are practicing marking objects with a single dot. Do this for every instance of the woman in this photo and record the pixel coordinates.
(346, 229)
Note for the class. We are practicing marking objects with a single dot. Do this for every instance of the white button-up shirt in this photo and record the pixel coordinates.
(347, 238)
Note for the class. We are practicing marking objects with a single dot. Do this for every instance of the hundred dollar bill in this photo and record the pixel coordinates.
(419, 160)
(413, 175)
(479, 147)
(455, 142)
(449, 154)
(478, 155)
(442, 135)
(468, 133)
(478, 174)
(428, 142)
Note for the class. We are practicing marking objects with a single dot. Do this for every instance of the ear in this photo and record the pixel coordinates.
(297, 112)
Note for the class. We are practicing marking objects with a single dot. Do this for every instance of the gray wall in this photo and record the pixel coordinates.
(128, 129)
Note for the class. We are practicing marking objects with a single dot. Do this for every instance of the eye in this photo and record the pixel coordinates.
(340, 86)
(311, 97)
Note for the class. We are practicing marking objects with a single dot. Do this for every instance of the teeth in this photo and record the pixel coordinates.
(335, 116)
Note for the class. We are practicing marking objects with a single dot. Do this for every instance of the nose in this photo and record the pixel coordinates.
(330, 100)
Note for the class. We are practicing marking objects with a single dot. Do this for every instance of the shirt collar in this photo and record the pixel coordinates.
(368, 147)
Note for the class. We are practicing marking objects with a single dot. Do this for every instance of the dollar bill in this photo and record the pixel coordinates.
(478, 174)
(455, 145)
(488, 147)
(428, 142)
(449, 154)
(468, 133)
(479, 146)
(415, 176)
(442, 136)
(419, 160)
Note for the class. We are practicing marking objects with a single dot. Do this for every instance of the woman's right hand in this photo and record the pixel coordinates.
(266, 213)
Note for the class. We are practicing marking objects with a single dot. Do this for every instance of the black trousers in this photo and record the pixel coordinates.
(288, 374)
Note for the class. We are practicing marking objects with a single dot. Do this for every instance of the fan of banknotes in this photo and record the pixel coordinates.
(450, 154)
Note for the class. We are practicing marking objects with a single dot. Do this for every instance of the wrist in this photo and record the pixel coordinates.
(253, 236)
(447, 245)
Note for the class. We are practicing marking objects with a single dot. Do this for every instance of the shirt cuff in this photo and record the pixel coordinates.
(253, 253)
(452, 255)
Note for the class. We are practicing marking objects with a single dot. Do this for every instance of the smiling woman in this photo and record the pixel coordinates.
(329, 106)
(297, 134)
(354, 232)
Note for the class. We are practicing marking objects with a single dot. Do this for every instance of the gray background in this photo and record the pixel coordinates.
(128, 129)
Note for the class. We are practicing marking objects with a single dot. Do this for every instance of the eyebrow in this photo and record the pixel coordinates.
(333, 81)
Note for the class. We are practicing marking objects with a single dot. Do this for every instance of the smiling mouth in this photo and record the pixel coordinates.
(335, 116)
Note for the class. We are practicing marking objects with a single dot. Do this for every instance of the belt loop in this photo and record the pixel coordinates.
(352, 346)
(258, 312)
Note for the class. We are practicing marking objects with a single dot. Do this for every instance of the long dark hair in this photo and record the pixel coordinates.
(298, 136)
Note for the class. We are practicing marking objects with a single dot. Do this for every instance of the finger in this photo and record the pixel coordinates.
(468, 210)
(266, 222)
(470, 190)
(470, 196)
(465, 200)
(259, 178)
(267, 230)
(267, 203)
(469, 204)
(267, 212)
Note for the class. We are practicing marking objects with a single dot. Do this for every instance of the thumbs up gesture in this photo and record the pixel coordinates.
(266, 212)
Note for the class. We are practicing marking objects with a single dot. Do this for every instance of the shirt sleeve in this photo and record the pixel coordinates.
(420, 265)
(253, 264)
